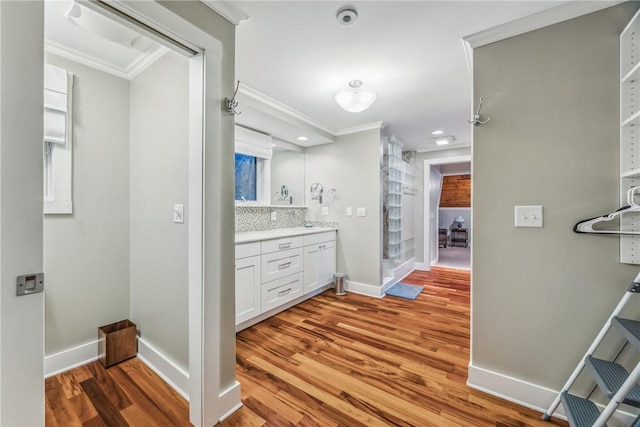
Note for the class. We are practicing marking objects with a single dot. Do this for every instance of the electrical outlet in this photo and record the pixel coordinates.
(362, 212)
(274, 215)
(528, 216)
(178, 214)
(349, 211)
(325, 210)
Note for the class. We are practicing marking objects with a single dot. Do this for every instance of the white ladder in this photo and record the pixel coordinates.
(612, 378)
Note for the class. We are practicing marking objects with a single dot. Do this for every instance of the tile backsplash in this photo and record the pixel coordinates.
(252, 218)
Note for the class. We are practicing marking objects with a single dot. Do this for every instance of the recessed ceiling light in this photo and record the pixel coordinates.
(442, 141)
(302, 138)
(273, 145)
(437, 132)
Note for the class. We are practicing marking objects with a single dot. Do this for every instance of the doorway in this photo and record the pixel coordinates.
(447, 229)
(161, 210)
(454, 217)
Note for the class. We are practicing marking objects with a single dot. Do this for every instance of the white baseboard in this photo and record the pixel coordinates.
(230, 401)
(71, 358)
(527, 394)
(166, 369)
(423, 266)
(364, 289)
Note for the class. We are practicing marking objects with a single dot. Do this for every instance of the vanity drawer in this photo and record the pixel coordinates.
(282, 263)
(313, 239)
(281, 291)
(245, 250)
(281, 244)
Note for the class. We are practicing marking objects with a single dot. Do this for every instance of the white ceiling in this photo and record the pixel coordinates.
(410, 53)
(292, 57)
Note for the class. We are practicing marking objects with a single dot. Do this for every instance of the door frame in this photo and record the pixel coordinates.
(204, 227)
(428, 221)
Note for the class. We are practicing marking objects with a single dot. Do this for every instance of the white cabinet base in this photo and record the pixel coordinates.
(283, 307)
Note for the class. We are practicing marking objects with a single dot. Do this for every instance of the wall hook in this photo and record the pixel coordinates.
(232, 104)
(476, 119)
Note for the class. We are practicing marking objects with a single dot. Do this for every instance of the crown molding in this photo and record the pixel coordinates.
(145, 61)
(227, 10)
(135, 68)
(561, 13)
(263, 102)
(82, 58)
(361, 128)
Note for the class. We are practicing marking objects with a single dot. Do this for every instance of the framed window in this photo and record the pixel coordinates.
(58, 147)
(246, 169)
(253, 153)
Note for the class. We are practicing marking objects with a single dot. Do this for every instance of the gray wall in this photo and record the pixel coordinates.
(86, 254)
(159, 179)
(418, 181)
(351, 165)
(541, 294)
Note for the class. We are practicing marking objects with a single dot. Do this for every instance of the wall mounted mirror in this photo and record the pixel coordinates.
(287, 169)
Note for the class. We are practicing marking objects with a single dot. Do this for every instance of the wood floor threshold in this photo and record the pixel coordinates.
(330, 361)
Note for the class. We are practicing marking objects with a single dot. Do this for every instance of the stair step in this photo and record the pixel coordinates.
(630, 329)
(610, 376)
(580, 412)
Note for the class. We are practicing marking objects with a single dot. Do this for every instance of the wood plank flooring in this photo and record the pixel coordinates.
(330, 361)
(128, 394)
(360, 361)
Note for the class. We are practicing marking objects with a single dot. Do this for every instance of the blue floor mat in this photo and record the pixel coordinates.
(402, 290)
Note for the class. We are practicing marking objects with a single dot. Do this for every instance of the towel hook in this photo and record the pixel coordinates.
(231, 104)
(476, 118)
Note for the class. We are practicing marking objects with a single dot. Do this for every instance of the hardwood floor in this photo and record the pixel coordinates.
(330, 361)
(360, 361)
(128, 394)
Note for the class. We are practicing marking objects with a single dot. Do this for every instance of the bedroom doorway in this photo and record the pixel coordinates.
(454, 217)
(447, 207)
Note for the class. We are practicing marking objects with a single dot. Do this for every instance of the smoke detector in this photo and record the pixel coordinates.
(347, 16)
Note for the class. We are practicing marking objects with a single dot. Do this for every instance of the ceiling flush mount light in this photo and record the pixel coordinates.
(347, 16)
(302, 138)
(355, 99)
(437, 132)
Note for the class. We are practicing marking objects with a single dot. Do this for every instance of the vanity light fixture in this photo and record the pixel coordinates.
(355, 99)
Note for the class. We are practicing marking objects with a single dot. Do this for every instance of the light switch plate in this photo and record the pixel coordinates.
(362, 212)
(325, 210)
(349, 211)
(178, 214)
(528, 216)
(274, 215)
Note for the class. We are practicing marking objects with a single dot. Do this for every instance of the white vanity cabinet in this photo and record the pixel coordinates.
(277, 269)
(248, 281)
(319, 260)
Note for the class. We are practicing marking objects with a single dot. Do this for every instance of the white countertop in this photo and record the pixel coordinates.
(253, 236)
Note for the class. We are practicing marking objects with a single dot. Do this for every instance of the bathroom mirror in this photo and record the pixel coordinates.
(287, 170)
